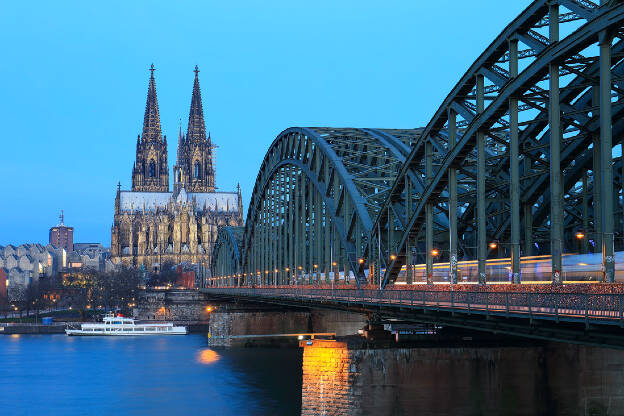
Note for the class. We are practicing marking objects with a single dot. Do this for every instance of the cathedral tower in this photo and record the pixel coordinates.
(150, 172)
(194, 168)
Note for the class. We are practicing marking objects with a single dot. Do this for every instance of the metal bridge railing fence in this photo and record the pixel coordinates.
(553, 305)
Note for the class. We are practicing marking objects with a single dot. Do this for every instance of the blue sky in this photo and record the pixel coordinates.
(74, 83)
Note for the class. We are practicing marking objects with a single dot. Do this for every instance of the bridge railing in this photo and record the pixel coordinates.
(606, 308)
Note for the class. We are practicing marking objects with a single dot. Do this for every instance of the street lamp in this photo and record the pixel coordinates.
(393, 257)
(580, 235)
(435, 252)
(493, 245)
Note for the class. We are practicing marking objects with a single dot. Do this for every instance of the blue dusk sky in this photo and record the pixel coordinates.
(74, 83)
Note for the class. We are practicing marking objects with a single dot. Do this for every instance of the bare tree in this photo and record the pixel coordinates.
(117, 290)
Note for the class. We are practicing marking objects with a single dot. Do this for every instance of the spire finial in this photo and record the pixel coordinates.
(152, 69)
(196, 71)
(62, 218)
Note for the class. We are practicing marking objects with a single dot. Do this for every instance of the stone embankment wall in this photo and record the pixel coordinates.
(172, 305)
(552, 379)
(32, 329)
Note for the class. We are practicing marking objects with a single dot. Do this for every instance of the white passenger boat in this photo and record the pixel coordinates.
(121, 326)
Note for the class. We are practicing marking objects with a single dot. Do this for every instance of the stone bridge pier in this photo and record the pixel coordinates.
(252, 324)
(351, 377)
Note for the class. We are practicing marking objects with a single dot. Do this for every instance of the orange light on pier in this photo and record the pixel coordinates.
(435, 252)
(361, 261)
(393, 257)
(493, 245)
(580, 235)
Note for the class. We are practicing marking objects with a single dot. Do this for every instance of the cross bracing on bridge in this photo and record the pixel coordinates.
(518, 160)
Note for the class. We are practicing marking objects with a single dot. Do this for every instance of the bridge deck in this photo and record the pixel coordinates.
(595, 308)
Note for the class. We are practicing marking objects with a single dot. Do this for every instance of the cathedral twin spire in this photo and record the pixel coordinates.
(194, 168)
(151, 120)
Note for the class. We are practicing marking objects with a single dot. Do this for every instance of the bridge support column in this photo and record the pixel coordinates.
(297, 220)
(606, 177)
(318, 239)
(528, 214)
(596, 183)
(452, 177)
(481, 215)
(583, 241)
(429, 214)
(514, 167)
(310, 254)
(556, 211)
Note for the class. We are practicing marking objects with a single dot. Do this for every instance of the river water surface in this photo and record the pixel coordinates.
(60, 375)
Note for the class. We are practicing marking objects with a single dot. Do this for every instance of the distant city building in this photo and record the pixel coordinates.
(152, 225)
(28, 262)
(91, 255)
(3, 286)
(186, 275)
(62, 236)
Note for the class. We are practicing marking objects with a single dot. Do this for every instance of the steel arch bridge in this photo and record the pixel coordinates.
(520, 159)
(315, 200)
(227, 260)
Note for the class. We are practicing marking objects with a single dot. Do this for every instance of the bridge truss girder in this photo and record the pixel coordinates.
(226, 261)
(487, 158)
(314, 201)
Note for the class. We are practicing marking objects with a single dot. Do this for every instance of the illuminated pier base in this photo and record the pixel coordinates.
(340, 379)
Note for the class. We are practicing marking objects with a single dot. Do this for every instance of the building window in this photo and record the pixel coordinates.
(152, 169)
(196, 170)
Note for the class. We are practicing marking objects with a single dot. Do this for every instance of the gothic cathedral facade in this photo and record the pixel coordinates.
(153, 225)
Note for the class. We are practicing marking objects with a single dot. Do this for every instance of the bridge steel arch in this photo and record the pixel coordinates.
(226, 259)
(314, 202)
(533, 115)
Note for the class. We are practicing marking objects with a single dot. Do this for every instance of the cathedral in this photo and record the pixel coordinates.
(153, 225)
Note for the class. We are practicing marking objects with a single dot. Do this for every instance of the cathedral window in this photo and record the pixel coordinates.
(152, 169)
(196, 170)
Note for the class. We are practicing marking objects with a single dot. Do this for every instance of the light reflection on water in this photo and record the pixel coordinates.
(56, 374)
(207, 356)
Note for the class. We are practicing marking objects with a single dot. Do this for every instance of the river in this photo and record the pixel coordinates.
(60, 375)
